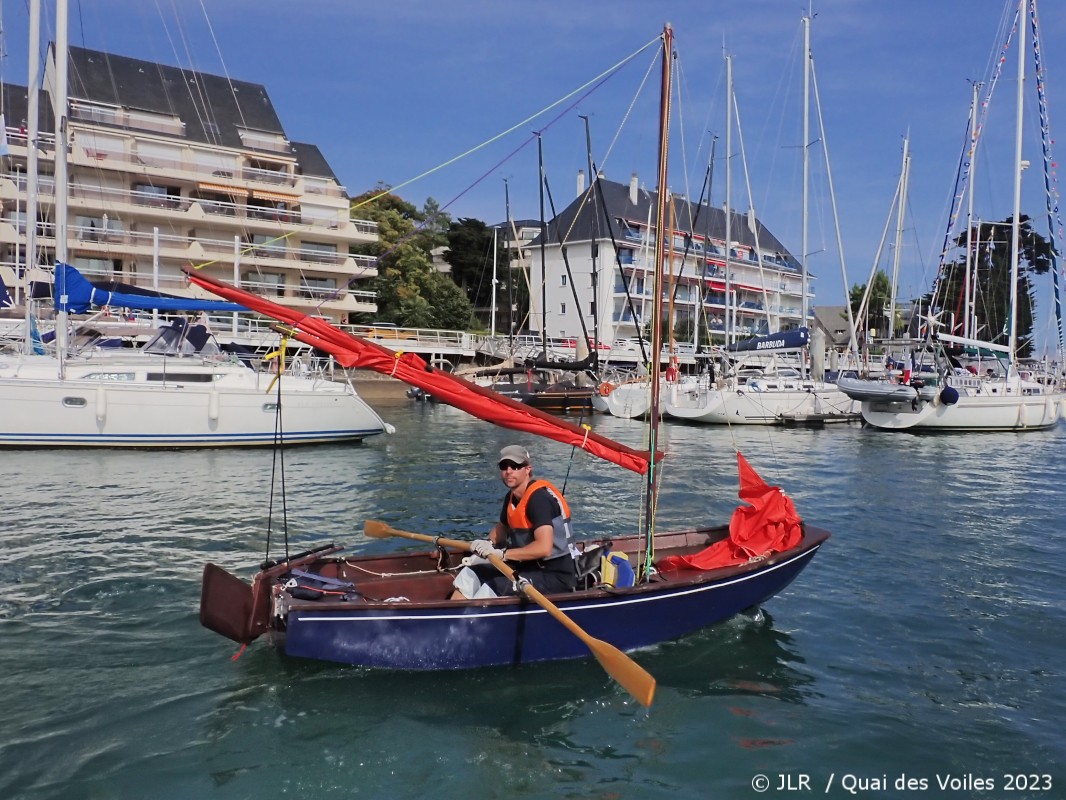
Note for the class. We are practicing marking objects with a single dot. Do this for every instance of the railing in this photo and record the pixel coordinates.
(124, 119)
(197, 171)
(46, 185)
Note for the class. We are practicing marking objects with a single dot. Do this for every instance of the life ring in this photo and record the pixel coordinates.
(605, 388)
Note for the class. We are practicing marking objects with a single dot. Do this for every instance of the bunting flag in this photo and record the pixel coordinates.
(356, 352)
(768, 524)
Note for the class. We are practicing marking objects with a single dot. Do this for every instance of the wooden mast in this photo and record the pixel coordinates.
(657, 303)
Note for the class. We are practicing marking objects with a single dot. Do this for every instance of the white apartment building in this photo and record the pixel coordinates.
(764, 279)
(171, 167)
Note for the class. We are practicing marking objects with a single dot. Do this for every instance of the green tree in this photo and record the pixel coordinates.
(410, 290)
(878, 306)
(470, 254)
(991, 270)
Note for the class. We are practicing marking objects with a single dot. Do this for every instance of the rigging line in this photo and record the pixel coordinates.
(629, 110)
(492, 169)
(681, 128)
(833, 203)
(751, 218)
(618, 261)
(225, 71)
(569, 272)
(969, 155)
(431, 218)
(279, 445)
(692, 220)
(595, 83)
(1050, 191)
(198, 94)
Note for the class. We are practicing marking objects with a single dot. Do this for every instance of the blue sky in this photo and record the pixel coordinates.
(389, 91)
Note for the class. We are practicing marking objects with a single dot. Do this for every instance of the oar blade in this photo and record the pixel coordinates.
(376, 529)
(628, 673)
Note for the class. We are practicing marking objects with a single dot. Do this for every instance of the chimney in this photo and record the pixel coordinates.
(580, 182)
(633, 190)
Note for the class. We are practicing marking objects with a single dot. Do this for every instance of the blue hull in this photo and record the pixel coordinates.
(446, 636)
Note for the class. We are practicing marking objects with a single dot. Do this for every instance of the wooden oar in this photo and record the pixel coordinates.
(632, 677)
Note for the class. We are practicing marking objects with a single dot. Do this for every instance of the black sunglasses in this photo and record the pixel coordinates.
(511, 465)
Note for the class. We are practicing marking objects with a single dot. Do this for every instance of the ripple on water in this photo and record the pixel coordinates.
(925, 636)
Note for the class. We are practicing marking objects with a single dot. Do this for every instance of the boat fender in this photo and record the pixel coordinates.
(212, 404)
(949, 395)
(605, 388)
(101, 403)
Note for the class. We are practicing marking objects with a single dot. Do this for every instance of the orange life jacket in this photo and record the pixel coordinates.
(522, 526)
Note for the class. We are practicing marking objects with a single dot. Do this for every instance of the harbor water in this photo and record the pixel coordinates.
(921, 654)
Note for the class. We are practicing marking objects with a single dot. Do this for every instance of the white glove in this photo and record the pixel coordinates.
(485, 548)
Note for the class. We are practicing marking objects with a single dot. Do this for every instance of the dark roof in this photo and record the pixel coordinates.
(194, 97)
(709, 220)
(16, 107)
(312, 162)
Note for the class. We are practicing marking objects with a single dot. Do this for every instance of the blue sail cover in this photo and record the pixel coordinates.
(785, 340)
(5, 298)
(81, 295)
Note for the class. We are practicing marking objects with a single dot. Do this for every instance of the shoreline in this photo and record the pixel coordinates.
(373, 386)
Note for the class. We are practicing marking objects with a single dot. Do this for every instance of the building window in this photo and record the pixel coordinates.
(563, 280)
(156, 196)
(271, 283)
(317, 251)
(263, 244)
(562, 308)
(318, 288)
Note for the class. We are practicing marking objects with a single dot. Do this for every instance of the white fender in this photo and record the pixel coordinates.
(101, 403)
(212, 405)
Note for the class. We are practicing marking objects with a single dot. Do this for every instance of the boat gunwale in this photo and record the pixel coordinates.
(677, 582)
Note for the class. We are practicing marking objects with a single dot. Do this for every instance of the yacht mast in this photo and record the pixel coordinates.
(32, 134)
(728, 190)
(970, 284)
(806, 160)
(652, 475)
(901, 210)
(60, 113)
(1012, 343)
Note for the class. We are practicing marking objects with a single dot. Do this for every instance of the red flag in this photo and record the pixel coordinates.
(767, 524)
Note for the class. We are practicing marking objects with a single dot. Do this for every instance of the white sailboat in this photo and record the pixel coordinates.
(764, 389)
(170, 394)
(957, 399)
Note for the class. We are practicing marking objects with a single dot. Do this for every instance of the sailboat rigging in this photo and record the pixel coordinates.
(180, 390)
(395, 612)
(953, 397)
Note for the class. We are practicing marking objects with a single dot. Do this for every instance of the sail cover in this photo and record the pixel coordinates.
(768, 524)
(354, 351)
(775, 342)
(82, 295)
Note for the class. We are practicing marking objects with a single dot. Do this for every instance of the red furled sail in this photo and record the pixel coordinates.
(768, 524)
(354, 351)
